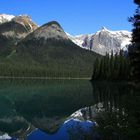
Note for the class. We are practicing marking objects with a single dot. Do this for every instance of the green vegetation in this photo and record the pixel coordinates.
(134, 49)
(114, 67)
(33, 58)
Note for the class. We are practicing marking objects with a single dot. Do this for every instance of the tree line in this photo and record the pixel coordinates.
(112, 67)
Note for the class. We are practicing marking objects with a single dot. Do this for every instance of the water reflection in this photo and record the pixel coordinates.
(115, 109)
(37, 110)
(29, 104)
(120, 118)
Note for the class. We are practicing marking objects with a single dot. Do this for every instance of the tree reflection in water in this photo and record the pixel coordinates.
(116, 110)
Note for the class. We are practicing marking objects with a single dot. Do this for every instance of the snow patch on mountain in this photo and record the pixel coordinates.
(104, 41)
(5, 18)
(81, 40)
(76, 40)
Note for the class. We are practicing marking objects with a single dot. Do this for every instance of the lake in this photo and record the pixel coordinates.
(68, 110)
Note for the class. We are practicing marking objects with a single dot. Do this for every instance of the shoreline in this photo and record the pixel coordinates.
(46, 78)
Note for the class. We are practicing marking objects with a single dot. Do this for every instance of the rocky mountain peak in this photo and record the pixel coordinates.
(50, 30)
(17, 26)
(104, 29)
(104, 41)
(5, 18)
(53, 23)
(26, 21)
(12, 30)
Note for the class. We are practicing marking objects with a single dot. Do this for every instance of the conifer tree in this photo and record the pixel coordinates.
(113, 67)
(134, 49)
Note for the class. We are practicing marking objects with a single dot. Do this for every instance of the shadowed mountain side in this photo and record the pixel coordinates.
(47, 52)
(13, 31)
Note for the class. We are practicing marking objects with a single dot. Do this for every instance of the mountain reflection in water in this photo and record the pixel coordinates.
(37, 110)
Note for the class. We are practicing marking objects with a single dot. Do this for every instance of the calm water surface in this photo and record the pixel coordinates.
(68, 110)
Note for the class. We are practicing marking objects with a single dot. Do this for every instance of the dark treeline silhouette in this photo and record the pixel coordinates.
(111, 67)
(134, 49)
(51, 58)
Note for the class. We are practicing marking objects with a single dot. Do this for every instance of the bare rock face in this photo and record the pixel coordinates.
(26, 21)
(12, 30)
(18, 27)
(104, 41)
(49, 31)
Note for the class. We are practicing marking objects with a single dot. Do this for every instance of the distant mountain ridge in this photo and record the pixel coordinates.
(101, 42)
(104, 41)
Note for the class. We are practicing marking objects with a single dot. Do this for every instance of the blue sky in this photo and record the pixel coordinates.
(75, 16)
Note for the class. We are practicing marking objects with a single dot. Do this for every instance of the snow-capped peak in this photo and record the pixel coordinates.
(5, 18)
(104, 41)
(104, 28)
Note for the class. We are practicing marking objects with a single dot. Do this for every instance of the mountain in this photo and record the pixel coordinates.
(15, 28)
(49, 30)
(48, 52)
(81, 40)
(12, 31)
(44, 39)
(104, 41)
(5, 18)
